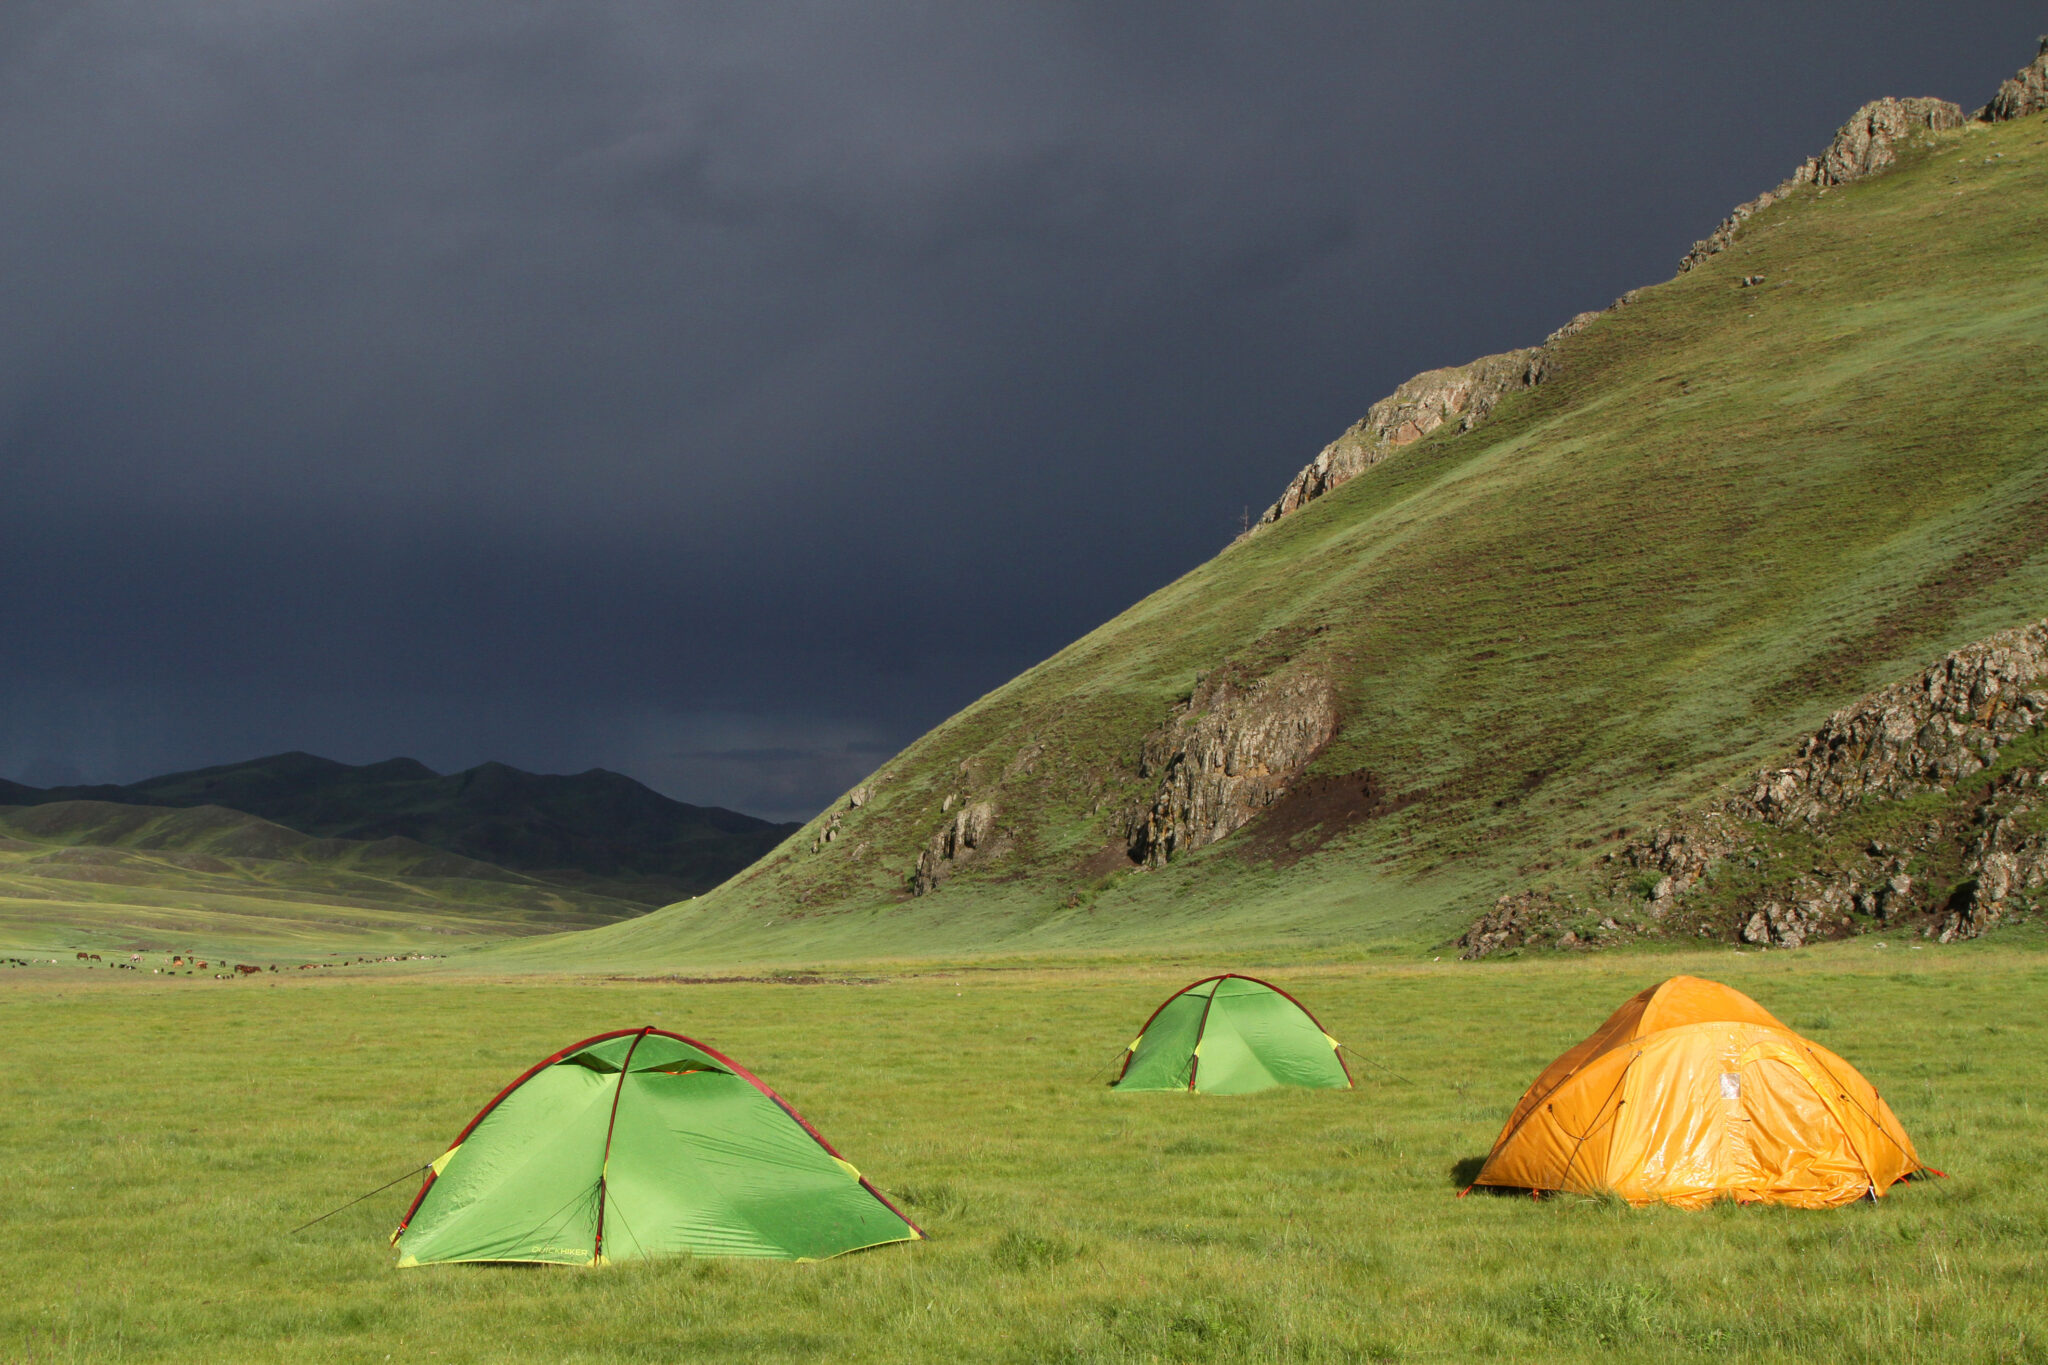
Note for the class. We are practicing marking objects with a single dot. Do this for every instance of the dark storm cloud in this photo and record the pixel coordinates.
(725, 393)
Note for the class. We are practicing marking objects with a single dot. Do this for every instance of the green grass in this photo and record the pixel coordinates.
(158, 1139)
(90, 875)
(1731, 511)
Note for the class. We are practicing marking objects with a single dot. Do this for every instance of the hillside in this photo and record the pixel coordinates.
(85, 873)
(598, 832)
(1685, 530)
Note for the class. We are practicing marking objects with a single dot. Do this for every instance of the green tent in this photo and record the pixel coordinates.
(641, 1143)
(1230, 1035)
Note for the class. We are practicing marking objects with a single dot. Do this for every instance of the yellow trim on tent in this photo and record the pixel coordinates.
(847, 1166)
(1334, 1044)
(440, 1163)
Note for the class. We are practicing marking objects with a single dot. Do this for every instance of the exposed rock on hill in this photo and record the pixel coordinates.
(1920, 806)
(970, 832)
(1916, 736)
(1516, 919)
(1229, 752)
(1867, 144)
(1719, 239)
(1463, 395)
(2022, 94)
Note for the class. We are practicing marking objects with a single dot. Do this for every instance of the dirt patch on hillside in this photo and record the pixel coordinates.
(1111, 857)
(1314, 811)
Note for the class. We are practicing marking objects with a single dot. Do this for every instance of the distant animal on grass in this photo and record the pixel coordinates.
(245, 969)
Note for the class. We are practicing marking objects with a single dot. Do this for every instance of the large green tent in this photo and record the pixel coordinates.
(641, 1143)
(1230, 1035)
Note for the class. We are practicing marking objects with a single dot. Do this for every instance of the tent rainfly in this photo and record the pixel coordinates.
(1691, 1092)
(1231, 1035)
(635, 1144)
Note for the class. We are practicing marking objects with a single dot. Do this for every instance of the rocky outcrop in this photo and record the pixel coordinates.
(1915, 736)
(1958, 864)
(1462, 397)
(1515, 921)
(1228, 752)
(1868, 143)
(1723, 236)
(2022, 94)
(1864, 146)
(1530, 919)
(969, 832)
(1910, 811)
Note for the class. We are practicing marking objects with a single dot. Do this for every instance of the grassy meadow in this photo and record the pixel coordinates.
(159, 1139)
(112, 879)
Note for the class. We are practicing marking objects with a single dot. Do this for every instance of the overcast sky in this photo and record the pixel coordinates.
(726, 393)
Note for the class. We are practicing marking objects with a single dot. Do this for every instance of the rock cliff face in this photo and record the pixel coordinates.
(1864, 146)
(1923, 737)
(2023, 94)
(1916, 736)
(1868, 143)
(1462, 396)
(1228, 752)
(971, 831)
(1922, 807)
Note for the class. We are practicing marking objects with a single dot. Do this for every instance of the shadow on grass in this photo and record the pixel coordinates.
(1465, 1170)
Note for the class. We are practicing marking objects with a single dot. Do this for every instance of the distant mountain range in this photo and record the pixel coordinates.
(101, 875)
(596, 831)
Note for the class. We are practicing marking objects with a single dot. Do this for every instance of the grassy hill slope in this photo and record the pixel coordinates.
(1728, 511)
(83, 874)
(598, 831)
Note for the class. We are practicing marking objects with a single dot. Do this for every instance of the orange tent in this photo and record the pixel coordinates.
(1692, 1092)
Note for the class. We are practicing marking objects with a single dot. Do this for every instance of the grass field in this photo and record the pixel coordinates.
(102, 877)
(159, 1139)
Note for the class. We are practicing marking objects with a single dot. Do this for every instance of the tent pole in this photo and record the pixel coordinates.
(597, 1242)
(1195, 1061)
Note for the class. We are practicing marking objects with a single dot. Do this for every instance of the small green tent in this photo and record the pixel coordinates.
(1230, 1035)
(641, 1143)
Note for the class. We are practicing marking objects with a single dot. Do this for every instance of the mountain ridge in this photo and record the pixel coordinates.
(120, 875)
(597, 830)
